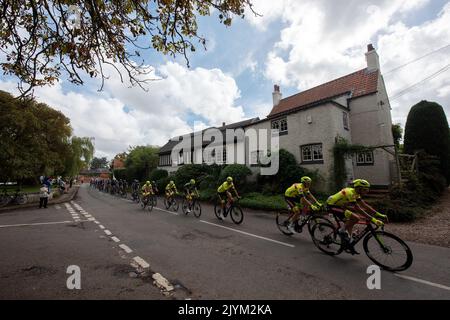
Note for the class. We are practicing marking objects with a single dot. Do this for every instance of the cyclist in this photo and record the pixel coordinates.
(190, 190)
(147, 190)
(348, 200)
(298, 198)
(155, 187)
(171, 190)
(135, 188)
(224, 192)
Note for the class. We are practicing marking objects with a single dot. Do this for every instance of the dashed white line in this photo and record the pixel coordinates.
(172, 212)
(250, 234)
(97, 222)
(126, 248)
(108, 232)
(436, 285)
(144, 264)
(101, 227)
(57, 207)
(115, 239)
(91, 219)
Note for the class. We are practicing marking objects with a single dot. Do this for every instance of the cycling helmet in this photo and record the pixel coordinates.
(361, 183)
(153, 182)
(305, 179)
(229, 179)
(147, 182)
(192, 181)
(171, 182)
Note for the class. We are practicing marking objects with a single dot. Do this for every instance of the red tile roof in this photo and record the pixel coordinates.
(358, 83)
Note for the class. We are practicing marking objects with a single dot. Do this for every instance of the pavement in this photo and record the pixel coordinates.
(125, 252)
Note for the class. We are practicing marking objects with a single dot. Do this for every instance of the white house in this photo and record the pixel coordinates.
(355, 107)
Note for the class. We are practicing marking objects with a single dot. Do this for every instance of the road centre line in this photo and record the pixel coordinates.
(125, 248)
(436, 285)
(144, 264)
(250, 234)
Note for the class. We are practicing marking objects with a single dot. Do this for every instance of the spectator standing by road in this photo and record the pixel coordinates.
(43, 196)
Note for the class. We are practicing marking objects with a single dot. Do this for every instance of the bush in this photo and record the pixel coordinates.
(158, 174)
(191, 171)
(399, 210)
(238, 172)
(289, 172)
(208, 195)
(162, 183)
(427, 129)
(258, 201)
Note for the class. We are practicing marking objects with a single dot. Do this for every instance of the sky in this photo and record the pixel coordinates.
(296, 44)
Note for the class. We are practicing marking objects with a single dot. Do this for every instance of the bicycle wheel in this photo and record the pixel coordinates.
(236, 214)
(4, 200)
(281, 220)
(315, 219)
(388, 251)
(197, 209)
(326, 238)
(175, 205)
(22, 198)
(218, 210)
(150, 204)
(154, 200)
(166, 203)
(185, 206)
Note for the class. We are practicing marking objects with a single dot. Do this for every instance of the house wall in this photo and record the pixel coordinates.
(326, 124)
(372, 126)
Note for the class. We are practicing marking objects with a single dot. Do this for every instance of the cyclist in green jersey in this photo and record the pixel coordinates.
(223, 192)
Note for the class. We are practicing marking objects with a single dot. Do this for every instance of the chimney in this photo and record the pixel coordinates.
(276, 95)
(223, 124)
(373, 61)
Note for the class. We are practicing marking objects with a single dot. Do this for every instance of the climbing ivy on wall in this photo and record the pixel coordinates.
(343, 149)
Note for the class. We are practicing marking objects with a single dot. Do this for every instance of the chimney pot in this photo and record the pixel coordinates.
(370, 47)
(276, 95)
(223, 124)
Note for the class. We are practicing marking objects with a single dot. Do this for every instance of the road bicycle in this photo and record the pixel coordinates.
(234, 209)
(191, 205)
(135, 196)
(16, 198)
(148, 202)
(308, 218)
(171, 203)
(385, 249)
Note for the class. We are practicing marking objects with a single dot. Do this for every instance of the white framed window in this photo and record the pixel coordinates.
(281, 125)
(312, 153)
(364, 158)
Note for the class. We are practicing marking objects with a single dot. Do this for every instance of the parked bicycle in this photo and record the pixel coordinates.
(16, 198)
(385, 249)
(233, 209)
(191, 205)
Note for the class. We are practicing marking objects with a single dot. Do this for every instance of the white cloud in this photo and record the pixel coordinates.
(154, 116)
(321, 40)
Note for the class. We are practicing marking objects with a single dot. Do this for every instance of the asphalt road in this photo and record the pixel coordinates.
(202, 258)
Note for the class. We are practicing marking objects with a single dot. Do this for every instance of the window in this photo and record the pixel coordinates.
(312, 153)
(281, 125)
(365, 158)
(164, 160)
(345, 120)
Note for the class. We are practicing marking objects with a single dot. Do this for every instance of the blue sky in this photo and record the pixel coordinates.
(296, 43)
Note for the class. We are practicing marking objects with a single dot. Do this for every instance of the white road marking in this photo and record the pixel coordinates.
(250, 234)
(108, 232)
(91, 219)
(35, 224)
(172, 212)
(97, 222)
(144, 264)
(436, 285)
(115, 239)
(126, 248)
(57, 207)
(162, 282)
(101, 227)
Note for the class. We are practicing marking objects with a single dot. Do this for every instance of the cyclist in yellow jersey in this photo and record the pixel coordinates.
(348, 200)
(224, 192)
(298, 197)
(147, 190)
(171, 189)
